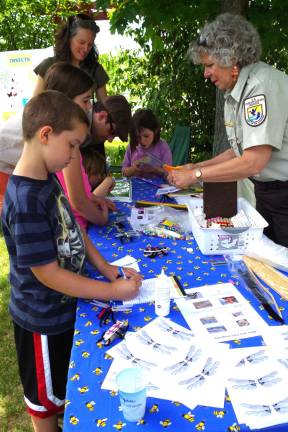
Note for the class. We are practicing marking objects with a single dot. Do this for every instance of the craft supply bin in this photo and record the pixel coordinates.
(226, 240)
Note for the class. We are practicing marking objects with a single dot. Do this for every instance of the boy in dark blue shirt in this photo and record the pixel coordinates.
(47, 251)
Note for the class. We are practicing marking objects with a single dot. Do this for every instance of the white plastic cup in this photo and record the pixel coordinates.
(131, 385)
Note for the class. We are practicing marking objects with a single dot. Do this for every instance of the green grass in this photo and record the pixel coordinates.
(13, 416)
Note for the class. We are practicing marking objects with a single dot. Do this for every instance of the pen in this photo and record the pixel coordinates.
(121, 273)
(99, 303)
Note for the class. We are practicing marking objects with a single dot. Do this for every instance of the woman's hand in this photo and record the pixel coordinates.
(188, 166)
(181, 178)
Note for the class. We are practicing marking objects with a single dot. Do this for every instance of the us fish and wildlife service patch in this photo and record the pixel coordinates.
(255, 110)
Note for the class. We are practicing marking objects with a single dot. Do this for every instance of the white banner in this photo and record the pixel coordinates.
(17, 78)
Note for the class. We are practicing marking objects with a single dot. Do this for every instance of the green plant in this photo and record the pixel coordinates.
(128, 72)
(115, 152)
(26, 24)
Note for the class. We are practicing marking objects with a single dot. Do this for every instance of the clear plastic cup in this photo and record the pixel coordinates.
(131, 383)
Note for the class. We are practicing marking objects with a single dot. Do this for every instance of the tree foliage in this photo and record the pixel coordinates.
(159, 77)
(173, 89)
(177, 91)
(25, 24)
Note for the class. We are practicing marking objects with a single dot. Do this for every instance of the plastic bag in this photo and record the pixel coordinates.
(161, 222)
(269, 252)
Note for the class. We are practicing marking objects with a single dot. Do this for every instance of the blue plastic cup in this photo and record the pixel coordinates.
(131, 384)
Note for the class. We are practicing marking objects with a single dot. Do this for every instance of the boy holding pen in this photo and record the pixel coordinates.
(47, 255)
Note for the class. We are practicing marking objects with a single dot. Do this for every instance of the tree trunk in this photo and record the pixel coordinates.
(234, 6)
(220, 141)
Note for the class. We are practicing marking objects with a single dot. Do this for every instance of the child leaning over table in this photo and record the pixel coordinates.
(147, 152)
(95, 167)
(47, 253)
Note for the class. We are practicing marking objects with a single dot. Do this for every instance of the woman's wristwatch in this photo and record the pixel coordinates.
(198, 173)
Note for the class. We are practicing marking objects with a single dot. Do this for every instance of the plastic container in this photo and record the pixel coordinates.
(226, 240)
(162, 295)
(131, 383)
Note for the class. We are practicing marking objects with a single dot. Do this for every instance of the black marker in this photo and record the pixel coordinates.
(180, 286)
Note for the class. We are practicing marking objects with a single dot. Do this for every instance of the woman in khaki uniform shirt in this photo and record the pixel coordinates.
(256, 119)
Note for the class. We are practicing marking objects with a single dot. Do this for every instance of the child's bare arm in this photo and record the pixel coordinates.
(104, 187)
(108, 270)
(100, 201)
(74, 285)
(77, 195)
(132, 171)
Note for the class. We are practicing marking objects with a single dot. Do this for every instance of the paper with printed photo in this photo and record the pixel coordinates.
(221, 311)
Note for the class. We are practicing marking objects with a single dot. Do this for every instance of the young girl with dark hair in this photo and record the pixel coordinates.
(147, 152)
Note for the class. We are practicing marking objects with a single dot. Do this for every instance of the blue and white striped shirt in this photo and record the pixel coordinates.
(39, 228)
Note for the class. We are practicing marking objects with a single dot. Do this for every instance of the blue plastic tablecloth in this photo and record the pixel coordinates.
(89, 408)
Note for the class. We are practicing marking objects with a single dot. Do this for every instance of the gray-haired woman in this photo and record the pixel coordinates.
(256, 119)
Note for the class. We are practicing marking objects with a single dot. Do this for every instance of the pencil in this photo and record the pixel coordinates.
(155, 203)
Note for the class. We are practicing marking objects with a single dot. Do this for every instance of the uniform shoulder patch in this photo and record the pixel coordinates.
(255, 110)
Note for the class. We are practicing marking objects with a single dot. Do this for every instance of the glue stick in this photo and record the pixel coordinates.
(162, 295)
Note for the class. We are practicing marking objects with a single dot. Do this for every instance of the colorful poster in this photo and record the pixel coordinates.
(17, 78)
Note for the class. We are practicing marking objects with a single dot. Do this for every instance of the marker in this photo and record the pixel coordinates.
(179, 285)
(170, 168)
